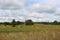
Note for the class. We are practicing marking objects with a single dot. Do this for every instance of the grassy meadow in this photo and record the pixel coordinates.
(30, 32)
(28, 28)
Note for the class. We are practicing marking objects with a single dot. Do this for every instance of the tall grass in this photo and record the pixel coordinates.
(27, 28)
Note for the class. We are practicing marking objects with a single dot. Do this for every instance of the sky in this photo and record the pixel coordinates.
(36, 10)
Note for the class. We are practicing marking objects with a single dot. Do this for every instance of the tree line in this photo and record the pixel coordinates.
(13, 22)
(49, 23)
(28, 22)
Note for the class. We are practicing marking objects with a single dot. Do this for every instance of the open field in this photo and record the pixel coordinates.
(29, 28)
(47, 35)
(34, 32)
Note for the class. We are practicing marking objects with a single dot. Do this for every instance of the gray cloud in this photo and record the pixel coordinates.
(12, 4)
(45, 11)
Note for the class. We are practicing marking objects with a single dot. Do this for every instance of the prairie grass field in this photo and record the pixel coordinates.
(30, 32)
(28, 28)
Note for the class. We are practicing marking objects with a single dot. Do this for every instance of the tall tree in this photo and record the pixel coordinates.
(13, 23)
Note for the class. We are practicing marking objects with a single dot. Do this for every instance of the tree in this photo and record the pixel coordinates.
(13, 23)
(55, 22)
(18, 22)
(28, 22)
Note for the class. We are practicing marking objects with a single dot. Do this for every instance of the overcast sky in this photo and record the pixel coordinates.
(36, 10)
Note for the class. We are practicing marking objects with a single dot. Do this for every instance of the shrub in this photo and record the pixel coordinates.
(28, 22)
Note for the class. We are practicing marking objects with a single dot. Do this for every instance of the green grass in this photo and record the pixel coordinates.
(29, 28)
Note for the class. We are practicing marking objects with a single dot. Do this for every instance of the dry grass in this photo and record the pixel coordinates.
(31, 28)
(34, 32)
(30, 36)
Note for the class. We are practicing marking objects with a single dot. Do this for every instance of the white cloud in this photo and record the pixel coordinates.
(58, 11)
(42, 8)
(35, 14)
(6, 14)
(48, 2)
(36, 11)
